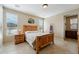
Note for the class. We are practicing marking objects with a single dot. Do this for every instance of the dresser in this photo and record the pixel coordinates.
(71, 34)
(19, 38)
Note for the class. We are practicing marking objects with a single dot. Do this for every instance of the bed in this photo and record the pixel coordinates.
(37, 40)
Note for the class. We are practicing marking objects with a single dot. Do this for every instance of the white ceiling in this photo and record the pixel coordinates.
(37, 10)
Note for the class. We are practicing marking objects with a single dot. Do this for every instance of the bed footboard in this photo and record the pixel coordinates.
(42, 41)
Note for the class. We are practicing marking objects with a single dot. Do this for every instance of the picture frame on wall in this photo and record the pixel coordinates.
(31, 21)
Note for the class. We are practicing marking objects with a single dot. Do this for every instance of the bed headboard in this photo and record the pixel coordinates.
(30, 27)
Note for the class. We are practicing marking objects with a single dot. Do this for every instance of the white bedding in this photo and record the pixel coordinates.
(31, 35)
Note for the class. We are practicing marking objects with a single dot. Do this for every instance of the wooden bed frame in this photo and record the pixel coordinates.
(41, 41)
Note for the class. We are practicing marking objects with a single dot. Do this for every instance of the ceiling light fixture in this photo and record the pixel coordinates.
(45, 5)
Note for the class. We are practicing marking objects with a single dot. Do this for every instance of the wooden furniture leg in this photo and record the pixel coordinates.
(37, 45)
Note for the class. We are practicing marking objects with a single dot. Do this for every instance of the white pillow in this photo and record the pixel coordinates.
(31, 31)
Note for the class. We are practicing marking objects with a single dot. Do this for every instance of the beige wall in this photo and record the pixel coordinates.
(1, 25)
(21, 16)
(21, 19)
(58, 22)
(58, 25)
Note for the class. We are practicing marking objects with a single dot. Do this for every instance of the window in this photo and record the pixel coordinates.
(73, 22)
(41, 25)
(11, 20)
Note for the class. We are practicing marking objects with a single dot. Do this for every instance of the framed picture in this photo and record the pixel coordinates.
(31, 21)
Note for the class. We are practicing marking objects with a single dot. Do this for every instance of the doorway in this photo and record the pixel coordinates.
(71, 27)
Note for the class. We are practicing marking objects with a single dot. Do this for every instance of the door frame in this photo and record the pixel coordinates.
(65, 25)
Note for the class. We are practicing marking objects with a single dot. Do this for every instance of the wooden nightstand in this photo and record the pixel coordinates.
(19, 38)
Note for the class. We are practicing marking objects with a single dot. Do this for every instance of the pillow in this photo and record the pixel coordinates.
(31, 31)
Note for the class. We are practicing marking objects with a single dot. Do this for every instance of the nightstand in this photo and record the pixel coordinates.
(19, 38)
